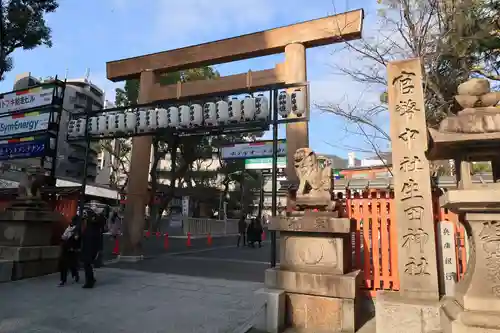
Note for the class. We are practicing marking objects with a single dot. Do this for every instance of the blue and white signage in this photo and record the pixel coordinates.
(256, 149)
(27, 123)
(26, 149)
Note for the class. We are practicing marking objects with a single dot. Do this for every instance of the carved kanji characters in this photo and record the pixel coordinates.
(408, 107)
(416, 267)
(405, 80)
(418, 236)
(408, 136)
(410, 163)
(410, 189)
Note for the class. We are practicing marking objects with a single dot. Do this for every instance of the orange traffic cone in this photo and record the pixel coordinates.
(209, 240)
(158, 235)
(189, 240)
(148, 233)
(263, 235)
(116, 248)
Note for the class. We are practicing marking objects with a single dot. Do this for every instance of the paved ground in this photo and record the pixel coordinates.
(154, 246)
(223, 262)
(127, 301)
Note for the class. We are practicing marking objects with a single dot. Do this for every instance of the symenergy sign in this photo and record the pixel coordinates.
(26, 123)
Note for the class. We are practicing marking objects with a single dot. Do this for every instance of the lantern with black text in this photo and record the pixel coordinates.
(119, 123)
(298, 102)
(261, 107)
(153, 119)
(162, 118)
(173, 117)
(185, 114)
(81, 124)
(248, 108)
(113, 126)
(93, 125)
(284, 104)
(72, 128)
(102, 124)
(222, 112)
(196, 115)
(210, 114)
(142, 121)
(130, 121)
(234, 110)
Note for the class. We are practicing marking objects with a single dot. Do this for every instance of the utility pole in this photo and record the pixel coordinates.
(3, 62)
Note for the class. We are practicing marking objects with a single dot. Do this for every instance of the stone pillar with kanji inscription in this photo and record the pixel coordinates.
(415, 308)
(314, 288)
(473, 134)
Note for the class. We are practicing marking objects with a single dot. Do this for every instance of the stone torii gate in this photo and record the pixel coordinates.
(293, 40)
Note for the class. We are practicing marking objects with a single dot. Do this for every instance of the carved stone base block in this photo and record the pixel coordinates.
(308, 313)
(397, 314)
(315, 272)
(31, 261)
(454, 319)
(324, 284)
(274, 321)
(6, 270)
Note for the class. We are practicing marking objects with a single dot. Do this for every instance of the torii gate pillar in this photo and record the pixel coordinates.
(297, 134)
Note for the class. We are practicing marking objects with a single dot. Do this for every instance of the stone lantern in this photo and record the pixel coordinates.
(473, 135)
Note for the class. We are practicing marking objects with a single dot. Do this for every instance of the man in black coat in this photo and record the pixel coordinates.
(91, 245)
(70, 247)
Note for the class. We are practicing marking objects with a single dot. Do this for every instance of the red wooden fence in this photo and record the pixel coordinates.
(374, 239)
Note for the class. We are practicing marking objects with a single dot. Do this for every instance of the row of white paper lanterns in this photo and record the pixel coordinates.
(192, 116)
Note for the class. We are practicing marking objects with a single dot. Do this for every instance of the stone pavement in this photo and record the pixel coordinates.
(128, 301)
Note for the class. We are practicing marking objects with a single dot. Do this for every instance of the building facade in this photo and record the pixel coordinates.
(80, 95)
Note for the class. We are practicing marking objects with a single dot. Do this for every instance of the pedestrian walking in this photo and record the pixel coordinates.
(114, 223)
(70, 248)
(242, 229)
(91, 245)
(101, 220)
(251, 233)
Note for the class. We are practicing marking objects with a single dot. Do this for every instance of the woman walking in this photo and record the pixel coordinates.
(70, 247)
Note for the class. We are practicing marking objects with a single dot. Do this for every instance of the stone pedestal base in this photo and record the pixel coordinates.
(454, 319)
(27, 262)
(274, 313)
(317, 302)
(6, 270)
(397, 314)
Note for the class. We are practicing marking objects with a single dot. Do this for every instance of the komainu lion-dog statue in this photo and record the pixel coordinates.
(31, 184)
(315, 181)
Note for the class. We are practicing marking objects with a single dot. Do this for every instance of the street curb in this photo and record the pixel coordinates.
(203, 236)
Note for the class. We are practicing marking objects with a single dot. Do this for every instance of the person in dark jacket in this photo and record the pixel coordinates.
(242, 229)
(258, 231)
(101, 220)
(91, 244)
(70, 247)
(254, 233)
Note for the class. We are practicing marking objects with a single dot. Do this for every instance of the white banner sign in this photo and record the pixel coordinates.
(185, 206)
(26, 99)
(28, 123)
(447, 257)
(252, 150)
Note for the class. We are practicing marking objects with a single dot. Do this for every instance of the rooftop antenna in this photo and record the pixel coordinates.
(87, 74)
(66, 74)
